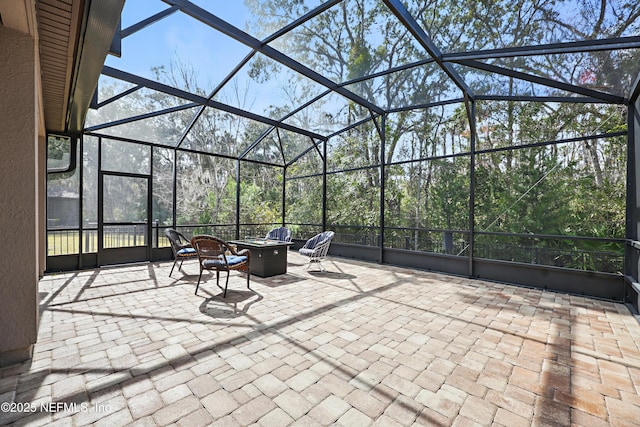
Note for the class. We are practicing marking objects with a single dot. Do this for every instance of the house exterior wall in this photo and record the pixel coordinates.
(20, 183)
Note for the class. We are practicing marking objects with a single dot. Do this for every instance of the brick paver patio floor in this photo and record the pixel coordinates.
(359, 345)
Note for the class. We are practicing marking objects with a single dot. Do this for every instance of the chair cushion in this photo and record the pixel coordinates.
(186, 251)
(236, 259)
(231, 260)
(306, 251)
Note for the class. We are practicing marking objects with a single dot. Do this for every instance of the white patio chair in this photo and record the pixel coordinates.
(316, 248)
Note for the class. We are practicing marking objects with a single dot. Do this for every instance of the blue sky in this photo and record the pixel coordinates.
(178, 36)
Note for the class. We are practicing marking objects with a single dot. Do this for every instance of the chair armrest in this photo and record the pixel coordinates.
(245, 252)
(233, 249)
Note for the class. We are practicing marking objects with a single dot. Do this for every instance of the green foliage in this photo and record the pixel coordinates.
(568, 189)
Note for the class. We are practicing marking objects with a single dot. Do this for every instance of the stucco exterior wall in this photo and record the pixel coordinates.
(42, 204)
(19, 210)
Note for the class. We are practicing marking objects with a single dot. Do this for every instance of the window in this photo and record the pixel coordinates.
(61, 153)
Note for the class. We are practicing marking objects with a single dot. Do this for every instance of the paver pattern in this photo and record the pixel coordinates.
(358, 345)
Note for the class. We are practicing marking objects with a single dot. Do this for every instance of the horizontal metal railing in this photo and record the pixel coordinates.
(576, 252)
(124, 234)
(66, 240)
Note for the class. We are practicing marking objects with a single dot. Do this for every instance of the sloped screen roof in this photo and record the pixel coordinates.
(266, 80)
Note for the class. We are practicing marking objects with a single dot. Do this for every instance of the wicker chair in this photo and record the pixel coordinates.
(317, 247)
(181, 248)
(282, 234)
(216, 254)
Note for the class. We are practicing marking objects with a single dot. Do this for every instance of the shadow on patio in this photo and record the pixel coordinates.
(357, 345)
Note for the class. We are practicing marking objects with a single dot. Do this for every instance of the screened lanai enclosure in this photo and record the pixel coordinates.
(489, 139)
